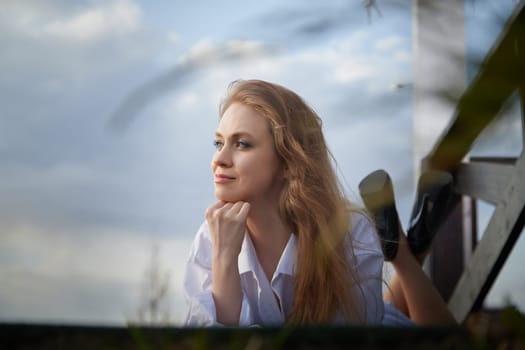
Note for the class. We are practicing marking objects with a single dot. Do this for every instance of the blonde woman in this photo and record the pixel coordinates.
(282, 244)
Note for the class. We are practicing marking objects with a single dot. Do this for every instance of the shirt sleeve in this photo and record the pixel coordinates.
(197, 286)
(369, 265)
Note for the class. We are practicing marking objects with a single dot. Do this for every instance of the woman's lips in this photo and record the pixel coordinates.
(221, 179)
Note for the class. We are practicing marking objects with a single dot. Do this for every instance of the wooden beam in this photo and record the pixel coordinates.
(500, 235)
(438, 43)
(482, 180)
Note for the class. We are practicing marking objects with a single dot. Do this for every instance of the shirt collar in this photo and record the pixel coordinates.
(248, 258)
(286, 264)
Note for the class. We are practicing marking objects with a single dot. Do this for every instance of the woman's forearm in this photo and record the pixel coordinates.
(226, 290)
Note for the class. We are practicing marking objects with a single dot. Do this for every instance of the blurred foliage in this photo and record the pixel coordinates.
(497, 329)
(154, 304)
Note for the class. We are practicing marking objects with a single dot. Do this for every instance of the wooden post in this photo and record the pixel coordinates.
(439, 80)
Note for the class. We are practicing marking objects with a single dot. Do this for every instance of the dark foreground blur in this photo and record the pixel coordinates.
(488, 329)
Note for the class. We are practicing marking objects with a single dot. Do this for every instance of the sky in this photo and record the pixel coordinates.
(108, 111)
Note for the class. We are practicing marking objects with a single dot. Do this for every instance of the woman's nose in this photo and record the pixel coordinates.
(222, 157)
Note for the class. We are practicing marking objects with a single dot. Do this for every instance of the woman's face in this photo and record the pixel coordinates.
(245, 165)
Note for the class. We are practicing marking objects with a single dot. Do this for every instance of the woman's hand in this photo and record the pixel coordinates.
(227, 223)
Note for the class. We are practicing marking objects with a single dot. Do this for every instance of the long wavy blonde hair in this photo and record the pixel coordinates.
(312, 204)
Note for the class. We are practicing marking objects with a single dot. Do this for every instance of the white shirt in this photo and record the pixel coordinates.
(261, 297)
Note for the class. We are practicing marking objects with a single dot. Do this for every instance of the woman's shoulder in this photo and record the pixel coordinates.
(359, 219)
(363, 232)
(361, 224)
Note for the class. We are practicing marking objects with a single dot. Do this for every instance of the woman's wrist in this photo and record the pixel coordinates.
(225, 262)
(225, 256)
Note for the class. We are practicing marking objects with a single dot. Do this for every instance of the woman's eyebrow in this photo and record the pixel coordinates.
(236, 134)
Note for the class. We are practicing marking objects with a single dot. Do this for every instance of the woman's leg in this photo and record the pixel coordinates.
(396, 296)
(413, 293)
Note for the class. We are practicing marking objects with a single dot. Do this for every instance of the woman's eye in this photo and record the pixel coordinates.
(243, 144)
(218, 144)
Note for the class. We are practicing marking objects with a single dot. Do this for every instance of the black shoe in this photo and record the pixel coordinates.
(434, 193)
(378, 196)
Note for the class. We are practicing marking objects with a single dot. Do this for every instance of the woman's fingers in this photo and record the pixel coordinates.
(213, 208)
(244, 210)
(238, 211)
(227, 223)
(227, 208)
(236, 207)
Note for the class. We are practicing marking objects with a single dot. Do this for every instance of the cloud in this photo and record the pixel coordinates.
(388, 43)
(343, 59)
(59, 168)
(92, 21)
(59, 47)
(204, 54)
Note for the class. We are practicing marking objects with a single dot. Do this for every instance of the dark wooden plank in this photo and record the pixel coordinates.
(500, 75)
(446, 260)
(493, 249)
(482, 180)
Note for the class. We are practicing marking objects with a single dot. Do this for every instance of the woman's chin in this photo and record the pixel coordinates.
(225, 197)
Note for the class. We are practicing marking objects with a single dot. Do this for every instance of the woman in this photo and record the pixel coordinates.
(282, 244)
